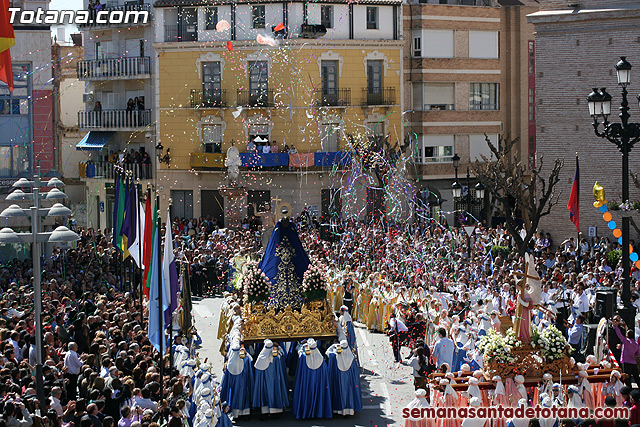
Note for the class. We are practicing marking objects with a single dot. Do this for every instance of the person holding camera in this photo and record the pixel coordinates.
(12, 410)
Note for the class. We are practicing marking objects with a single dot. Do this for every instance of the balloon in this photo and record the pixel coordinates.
(638, 264)
(222, 25)
(633, 257)
(229, 46)
(607, 216)
(598, 193)
(630, 249)
(617, 233)
(612, 225)
(270, 41)
(620, 240)
(279, 27)
(603, 208)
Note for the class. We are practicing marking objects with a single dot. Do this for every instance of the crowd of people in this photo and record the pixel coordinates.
(421, 284)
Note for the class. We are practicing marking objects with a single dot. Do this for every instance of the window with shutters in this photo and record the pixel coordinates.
(372, 18)
(258, 15)
(326, 15)
(434, 149)
(434, 96)
(211, 17)
(330, 137)
(417, 46)
(211, 83)
(212, 138)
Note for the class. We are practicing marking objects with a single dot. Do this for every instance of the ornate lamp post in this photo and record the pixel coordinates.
(624, 135)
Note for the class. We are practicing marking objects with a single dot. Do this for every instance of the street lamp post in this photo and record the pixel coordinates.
(624, 135)
(456, 187)
(35, 237)
(479, 188)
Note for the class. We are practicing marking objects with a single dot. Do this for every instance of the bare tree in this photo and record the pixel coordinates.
(517, 187)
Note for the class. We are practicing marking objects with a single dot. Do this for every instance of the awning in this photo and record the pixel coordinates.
(94, 141)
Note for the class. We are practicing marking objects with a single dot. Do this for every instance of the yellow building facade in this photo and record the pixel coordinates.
(314, 94)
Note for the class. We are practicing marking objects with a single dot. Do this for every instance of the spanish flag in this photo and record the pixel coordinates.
(7, 39)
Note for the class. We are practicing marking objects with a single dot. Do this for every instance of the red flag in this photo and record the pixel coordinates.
(6, 71)
(147, 244)
(229, 45)
(279, 27)
(574, 198)
(7, 39)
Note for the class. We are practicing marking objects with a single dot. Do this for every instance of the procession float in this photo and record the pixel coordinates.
(284, 297)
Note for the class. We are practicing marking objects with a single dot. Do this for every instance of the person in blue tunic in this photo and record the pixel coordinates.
(270, 392)
(344, 380)
(237, 381)
(311, 396)
(347, 325)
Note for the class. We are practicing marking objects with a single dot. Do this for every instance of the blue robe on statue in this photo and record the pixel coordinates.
(224, 421)
(284, 263)
(311, 395)
(237, 382)
(459, 359)
(344, 380)
(270, 392)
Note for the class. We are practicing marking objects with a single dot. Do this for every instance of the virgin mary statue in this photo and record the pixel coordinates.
(284, 263)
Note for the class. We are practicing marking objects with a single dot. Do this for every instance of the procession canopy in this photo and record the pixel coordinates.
(284, 263)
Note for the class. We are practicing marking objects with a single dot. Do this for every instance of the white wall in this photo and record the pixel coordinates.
(34, 46)
(478, 145)
(244, 21)
(385, 23)
(71, 90)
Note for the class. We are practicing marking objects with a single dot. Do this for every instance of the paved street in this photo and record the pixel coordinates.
(386, 386)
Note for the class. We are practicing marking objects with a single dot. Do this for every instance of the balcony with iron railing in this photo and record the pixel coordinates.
(382, 96)
(114, 68)
(106, 169)
(130, 14)
(181, 33)
(114, 119)
(255, 98)
(208, 99)
(334, 98)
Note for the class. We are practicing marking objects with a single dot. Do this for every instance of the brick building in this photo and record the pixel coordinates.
(469, 71)
(576, 49)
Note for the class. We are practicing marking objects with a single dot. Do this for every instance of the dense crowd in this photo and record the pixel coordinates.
(100, 368)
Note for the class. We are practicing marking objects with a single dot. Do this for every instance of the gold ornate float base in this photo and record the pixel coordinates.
(528, 363)
(314, 320)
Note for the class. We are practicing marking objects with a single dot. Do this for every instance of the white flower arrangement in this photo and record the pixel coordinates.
(314, 284)
(254, 283)
(553, 345)
(497, 348)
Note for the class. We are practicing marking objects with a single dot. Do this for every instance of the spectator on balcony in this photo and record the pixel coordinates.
(286, 148)
(266, 148)
(251, 146)
(140, 103)
(97, 109)
(274, 146)
(97, 6)
(292, 150)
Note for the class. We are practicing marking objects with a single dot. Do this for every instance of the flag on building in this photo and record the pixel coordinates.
(136, 246)
(574, 198)
(147, 244)
(169, 274)
(7, 39)
(154, 282)
(130, 225)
